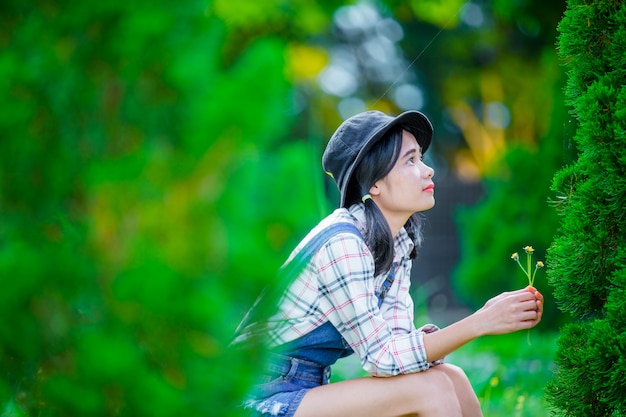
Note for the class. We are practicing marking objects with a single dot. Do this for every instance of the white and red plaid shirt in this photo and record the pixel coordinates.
(339, 286)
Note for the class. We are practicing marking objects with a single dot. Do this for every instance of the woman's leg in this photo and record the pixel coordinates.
(470, 406)
(440, 391)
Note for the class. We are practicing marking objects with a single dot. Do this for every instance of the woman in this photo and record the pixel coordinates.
(353, 294)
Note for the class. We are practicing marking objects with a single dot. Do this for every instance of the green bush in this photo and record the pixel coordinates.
(587, 259)
(145, 200)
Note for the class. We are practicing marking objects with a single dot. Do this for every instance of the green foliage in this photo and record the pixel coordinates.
(146, 197)
(512, 214)
(439, 13)
(584, 350)
(495, 228)
(147, 194)
(587, 259)
(509, 374)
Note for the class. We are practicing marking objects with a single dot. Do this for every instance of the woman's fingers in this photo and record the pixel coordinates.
(530, 305)
(539, 298)
(514, 311)
(530, 316)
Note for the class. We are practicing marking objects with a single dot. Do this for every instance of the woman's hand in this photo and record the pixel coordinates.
(505, 313)
(511, 311)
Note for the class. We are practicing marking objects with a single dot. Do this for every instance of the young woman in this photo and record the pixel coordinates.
(353, 294)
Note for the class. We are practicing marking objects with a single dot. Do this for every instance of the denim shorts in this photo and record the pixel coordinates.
(283, 385)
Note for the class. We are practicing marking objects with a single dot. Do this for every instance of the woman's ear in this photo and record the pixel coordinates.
(375, 189)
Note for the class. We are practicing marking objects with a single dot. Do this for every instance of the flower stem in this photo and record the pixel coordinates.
(532, 281)
(528, 256)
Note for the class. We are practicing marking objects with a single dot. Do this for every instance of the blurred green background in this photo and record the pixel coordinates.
(159, 160)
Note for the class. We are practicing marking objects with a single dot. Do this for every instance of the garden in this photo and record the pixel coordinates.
(159, 161)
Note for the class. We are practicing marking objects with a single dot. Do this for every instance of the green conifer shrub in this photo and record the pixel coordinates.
(587, 258)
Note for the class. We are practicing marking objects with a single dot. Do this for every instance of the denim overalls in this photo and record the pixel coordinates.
(296, 367)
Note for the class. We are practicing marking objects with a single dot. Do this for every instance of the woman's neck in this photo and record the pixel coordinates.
(395, 221)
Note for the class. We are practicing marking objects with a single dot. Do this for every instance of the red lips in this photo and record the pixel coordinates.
(429, 187)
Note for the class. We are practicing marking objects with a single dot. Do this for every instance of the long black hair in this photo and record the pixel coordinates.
(375, 165)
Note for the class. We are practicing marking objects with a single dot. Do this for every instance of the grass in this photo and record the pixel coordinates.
(507, 373)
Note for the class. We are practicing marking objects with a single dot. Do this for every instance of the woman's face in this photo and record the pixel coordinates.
(408, 188)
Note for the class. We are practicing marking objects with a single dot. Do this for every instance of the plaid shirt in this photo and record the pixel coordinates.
(339, 286)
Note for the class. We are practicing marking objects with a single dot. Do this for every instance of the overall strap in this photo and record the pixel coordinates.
(299, 262)
(384, 289)
(292, 269)
(322, 237)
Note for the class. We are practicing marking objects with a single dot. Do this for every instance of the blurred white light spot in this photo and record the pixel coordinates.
(473, 15)
(358, 17)
(390, 29)
(380, 49)
(382, 74)
(409, 97)
(350, 106)
(337, 81)
(343, 57)
(498, 115)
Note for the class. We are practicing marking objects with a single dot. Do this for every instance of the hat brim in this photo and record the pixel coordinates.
(413, 121)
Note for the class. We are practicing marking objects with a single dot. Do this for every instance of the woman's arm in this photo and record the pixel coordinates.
(505, 313)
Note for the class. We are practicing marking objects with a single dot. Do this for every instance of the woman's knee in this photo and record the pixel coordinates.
(433, 393)
(441, 384)
(463, 387)
(455, 373)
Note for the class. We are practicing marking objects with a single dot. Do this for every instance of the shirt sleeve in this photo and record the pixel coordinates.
(388, 345)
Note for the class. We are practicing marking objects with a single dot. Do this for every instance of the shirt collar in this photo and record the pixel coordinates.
(402, 244)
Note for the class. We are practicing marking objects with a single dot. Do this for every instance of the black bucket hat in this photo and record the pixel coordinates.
(355, 136)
